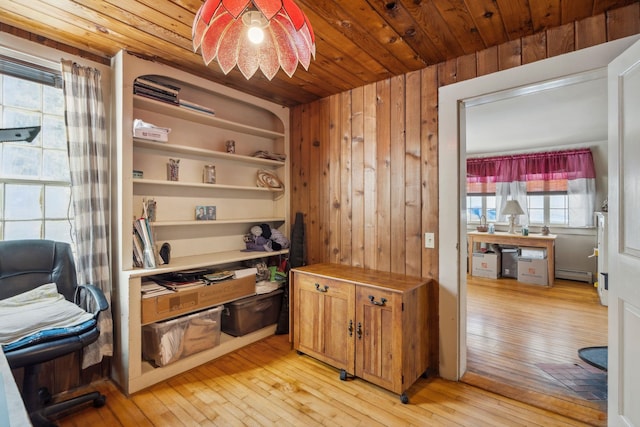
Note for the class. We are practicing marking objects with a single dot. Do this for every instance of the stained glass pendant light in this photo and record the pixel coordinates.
(252, 34)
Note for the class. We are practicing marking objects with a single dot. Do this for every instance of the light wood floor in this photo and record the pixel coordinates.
(268, 384)
(514, 328)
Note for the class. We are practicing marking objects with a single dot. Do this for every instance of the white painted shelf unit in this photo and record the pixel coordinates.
(196, 139)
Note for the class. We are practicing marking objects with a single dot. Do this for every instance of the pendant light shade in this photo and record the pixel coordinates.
(252, 34)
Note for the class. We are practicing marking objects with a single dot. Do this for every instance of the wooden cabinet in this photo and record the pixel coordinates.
(197, 138)
(367, 323)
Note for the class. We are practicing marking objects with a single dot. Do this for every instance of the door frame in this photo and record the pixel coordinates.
(452, 157)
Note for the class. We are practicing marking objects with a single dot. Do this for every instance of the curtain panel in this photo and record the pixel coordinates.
(89, 166)
(511, 173)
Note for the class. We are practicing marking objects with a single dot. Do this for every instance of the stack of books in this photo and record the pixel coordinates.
(160, 91)
(150, 289)
(143, 248)
(183, 286)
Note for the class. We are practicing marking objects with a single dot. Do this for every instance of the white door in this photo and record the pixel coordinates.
(624, 238)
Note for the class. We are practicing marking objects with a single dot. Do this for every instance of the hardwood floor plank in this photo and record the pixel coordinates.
(515, 329)
(268, 384)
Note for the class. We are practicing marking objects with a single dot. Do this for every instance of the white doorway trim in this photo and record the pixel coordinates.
(451, 153)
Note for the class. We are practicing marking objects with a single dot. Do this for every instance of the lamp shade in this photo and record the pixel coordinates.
(512, 208)
(281, 36)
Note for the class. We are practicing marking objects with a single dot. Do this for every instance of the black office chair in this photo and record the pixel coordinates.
(28, 264)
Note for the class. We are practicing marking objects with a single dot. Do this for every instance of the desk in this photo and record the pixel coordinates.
(12, 410)
(532, 240)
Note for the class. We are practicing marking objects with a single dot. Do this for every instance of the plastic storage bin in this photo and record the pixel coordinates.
(170, 340)
(250, 314)
(510, 262)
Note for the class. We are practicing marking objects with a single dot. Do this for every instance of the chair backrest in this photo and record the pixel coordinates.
(27, 264)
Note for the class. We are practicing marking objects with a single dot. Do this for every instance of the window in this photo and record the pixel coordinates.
(35, 185)
(479, 205)
(555, 187)
(544, 208)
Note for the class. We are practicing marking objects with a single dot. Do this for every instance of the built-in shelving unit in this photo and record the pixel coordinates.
(196, 139)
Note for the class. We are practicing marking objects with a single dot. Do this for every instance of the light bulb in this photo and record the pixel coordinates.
(255, 34)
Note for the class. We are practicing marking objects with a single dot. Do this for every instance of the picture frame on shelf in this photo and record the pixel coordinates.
(205, 213)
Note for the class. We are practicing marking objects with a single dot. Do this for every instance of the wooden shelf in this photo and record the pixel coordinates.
(167, 147)
(199, 117)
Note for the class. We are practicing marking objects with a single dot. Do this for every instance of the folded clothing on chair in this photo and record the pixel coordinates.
(39, 315)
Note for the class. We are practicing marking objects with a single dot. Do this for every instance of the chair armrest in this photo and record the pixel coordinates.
(99, 300)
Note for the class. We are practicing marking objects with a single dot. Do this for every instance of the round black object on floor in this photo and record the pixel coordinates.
(595, 356)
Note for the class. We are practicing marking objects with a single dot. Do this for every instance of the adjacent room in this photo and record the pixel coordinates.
(269, 212)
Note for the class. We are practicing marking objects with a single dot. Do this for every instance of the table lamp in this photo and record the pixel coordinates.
(512, 208)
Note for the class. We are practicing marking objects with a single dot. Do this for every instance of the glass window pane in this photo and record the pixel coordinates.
(57, 202)
(490, 207)
(58, 230)
(20, 161)
(1, 203)
(54, 133)
(536, 216)
(558, 201)
(15, 230)
(558, 216)
(23, 201)
(56, 165)
(536, 202)
(53, 101)
(22, 93)
(474, 208)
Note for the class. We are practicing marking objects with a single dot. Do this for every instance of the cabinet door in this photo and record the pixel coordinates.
(323, 319)
(379, 351)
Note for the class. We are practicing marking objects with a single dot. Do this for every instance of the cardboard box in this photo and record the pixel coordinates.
(171, 340)
(159, 135)
(250, 314)
(533, 253)
(486, 265)
(533, 271)
(181, 302)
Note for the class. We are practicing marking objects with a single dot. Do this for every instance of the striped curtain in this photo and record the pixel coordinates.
(89, 166)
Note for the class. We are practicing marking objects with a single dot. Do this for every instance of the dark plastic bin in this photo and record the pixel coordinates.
(249, 314)
(510, 262)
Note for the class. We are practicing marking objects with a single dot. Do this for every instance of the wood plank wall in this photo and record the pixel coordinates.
(364, 163)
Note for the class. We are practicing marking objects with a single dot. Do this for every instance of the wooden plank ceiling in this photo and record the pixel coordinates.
(357, 41)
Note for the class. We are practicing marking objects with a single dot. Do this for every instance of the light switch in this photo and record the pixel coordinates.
(429, 240)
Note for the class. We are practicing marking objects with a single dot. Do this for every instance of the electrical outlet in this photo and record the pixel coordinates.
(429, 240)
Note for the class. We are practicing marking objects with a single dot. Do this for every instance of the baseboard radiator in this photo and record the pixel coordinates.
(578, 276)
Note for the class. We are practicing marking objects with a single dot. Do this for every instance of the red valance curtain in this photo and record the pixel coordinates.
(510, 175)
(546, 166)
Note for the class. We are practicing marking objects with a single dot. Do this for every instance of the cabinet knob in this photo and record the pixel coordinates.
(359, 330)
(323, 289)
(374, 302)
(350, 328)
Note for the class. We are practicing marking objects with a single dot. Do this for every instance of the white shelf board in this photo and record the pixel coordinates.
(200, 117)
(144, 181)
(203, 260)
(217, 221)
(165, 146)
